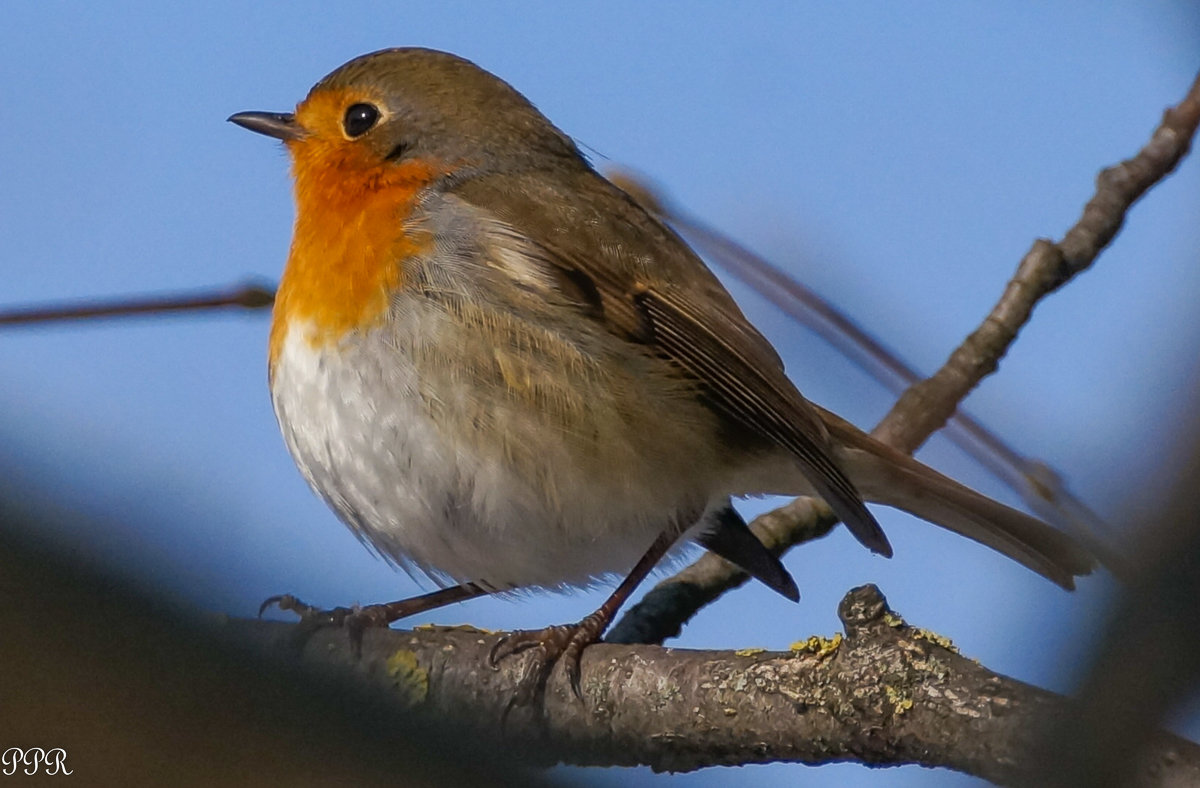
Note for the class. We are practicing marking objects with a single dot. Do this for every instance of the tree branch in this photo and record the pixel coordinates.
(1040, 487)
(885, 694)
(664, 609)
(250, 295)
(925, 406)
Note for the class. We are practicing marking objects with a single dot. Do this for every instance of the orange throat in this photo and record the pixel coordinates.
(351, 240)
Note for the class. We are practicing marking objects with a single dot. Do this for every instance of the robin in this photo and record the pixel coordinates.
(499, 369)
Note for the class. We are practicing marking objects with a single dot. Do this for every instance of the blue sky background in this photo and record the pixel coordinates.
(898, 157)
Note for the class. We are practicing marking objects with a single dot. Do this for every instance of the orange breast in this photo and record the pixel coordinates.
(351, 240)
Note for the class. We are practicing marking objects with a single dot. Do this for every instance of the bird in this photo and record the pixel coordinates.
(501, 371)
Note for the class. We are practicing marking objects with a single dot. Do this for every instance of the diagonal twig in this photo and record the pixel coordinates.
(925, 407)
(1042, 489)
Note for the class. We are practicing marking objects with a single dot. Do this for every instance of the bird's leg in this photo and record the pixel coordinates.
(566, 642)
(357, 619)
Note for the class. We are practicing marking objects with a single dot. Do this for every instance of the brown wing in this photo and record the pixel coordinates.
(641, 280)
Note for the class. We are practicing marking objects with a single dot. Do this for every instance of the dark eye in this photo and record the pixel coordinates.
(359, 119)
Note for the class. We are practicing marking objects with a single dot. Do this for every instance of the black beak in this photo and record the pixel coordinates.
(280, 125)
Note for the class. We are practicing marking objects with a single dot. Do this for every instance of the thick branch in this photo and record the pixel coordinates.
(886, 694)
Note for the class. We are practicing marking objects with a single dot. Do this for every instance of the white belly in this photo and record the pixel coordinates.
(460, 479)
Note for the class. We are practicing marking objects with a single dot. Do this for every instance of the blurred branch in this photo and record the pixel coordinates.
(1147, 663)
(248, 296)
(926, 406)
(140, 691)
(885, 694)
(1042, 489)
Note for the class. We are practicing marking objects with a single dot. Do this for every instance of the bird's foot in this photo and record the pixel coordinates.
(563, 643)
(355, 620)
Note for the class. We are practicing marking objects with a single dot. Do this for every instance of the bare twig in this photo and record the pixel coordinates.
(925, 407)
(662, 612)
(1039, 486)
(247, 296)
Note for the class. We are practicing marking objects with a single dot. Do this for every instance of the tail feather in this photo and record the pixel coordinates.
(885, 475)
(729, 537)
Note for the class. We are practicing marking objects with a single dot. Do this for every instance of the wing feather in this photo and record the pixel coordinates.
(652, 289)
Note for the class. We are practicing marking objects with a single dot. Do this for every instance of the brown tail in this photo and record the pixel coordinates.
(885, 475)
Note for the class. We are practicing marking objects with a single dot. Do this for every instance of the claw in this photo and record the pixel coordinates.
(563, 643)
(357, 620)
(568, 642)
(354, 620)
(498, 652)
(515, 642)
(283, 602)
(572, 656)
(266, 603)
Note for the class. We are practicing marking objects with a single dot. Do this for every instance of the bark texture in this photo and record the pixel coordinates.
(884, 693)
